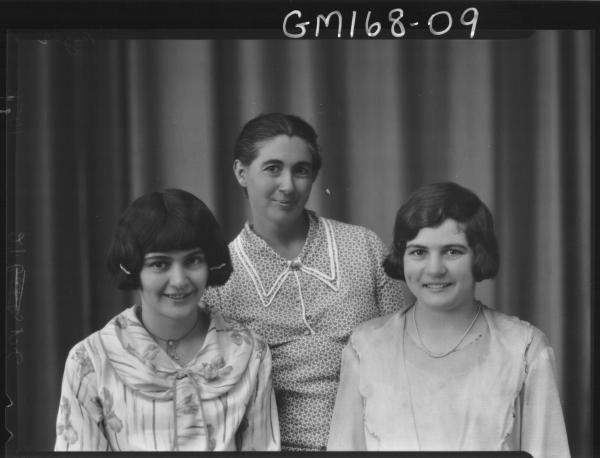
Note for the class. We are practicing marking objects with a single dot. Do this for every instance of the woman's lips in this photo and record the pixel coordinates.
(178, 296)
(286, 203)
(437, 286)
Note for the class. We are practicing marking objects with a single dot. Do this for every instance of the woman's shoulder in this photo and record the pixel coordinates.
(93, 340)
(348, 230)
(341, 225)
(512, 327)
(236, 330)
(379, 329)
(81, 359)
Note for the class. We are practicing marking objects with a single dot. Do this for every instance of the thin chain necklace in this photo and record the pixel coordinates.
(453, 349)
(172, 344)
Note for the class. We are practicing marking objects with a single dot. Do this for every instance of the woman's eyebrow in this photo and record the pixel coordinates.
(272, 161)
(452, 245)
(195, 253)
(449, 245)
(156, 255)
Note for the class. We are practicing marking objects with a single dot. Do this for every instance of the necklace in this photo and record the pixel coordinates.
(453, 349)
(172, 344)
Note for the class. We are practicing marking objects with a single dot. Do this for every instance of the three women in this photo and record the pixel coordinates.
(449, 374)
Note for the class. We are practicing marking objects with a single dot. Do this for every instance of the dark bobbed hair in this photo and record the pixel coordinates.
(270, 125)
(165, 221)
(430, 206)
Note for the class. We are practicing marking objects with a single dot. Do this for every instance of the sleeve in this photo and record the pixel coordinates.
(392, 294)
(543, 432)
(260, 430)
(347, 430)
(212, 298)
(79, 420)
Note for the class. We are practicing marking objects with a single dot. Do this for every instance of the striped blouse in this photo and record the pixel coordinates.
(121, 391)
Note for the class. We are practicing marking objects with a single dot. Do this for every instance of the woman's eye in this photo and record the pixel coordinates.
(304, 172)
(272, 169)
(158, 266)
(196, 261)
(417, 252)
(454, 252)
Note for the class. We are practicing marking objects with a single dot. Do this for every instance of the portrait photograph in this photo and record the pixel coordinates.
(392, 100)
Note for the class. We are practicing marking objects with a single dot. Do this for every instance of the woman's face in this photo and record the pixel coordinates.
(172, 283)
(438, 267)
(278, 180)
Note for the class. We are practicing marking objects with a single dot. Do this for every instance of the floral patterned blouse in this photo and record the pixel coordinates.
(499, 393)
(121, 391)
(306, 309)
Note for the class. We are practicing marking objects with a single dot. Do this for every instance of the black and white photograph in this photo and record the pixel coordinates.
(357, 230)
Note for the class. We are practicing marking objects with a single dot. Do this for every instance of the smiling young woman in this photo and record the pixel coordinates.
(165, 374)
(449, 374)
(301, 281)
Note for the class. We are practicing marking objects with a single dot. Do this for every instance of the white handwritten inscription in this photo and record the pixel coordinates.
(16, 280)
(438, 23)
(15, 283)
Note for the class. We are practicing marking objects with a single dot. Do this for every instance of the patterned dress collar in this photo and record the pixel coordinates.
(269, 271)
(142, 365)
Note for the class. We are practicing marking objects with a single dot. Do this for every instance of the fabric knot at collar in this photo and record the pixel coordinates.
(146, 368)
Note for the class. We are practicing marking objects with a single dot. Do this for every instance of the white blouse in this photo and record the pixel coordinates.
(499, 394)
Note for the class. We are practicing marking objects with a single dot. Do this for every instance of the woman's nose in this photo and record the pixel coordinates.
(435, 265)
(286, 181)
(178, 276)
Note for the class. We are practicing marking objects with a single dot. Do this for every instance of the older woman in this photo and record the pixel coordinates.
(301, 281)
(165, 374)
(449, 373)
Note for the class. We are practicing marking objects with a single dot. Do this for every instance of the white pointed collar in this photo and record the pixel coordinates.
(269, 270)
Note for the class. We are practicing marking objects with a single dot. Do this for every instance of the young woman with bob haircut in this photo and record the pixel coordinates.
(450, 373)
(167, 375)
(301, 281)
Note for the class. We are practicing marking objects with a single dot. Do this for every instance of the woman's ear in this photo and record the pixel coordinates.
(239, 170)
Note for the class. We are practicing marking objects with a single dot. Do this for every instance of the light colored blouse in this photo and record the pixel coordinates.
(499, 393)
(121, 391)
(306, 309)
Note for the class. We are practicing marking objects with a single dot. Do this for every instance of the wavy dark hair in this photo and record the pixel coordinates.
(161, 221)
(270, 125)
(430, 206)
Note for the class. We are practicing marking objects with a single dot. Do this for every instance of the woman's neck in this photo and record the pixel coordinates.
(439, 329)
(180, 339)
(166, 328)
(442, 317)
(286, 240)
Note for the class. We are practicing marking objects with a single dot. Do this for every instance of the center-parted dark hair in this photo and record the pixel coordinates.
(166, 221)
(267, 126)
(430, 206)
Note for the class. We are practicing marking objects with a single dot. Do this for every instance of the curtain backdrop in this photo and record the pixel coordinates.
(100, 121)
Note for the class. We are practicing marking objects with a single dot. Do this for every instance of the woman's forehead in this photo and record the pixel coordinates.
(283, 148)
(450, 232)
(173, 254)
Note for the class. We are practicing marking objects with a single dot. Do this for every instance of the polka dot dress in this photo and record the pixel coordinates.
(306, 310)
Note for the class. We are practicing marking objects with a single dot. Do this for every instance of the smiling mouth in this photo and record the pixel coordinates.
(286, 203)
(179, 296)
(436, 286)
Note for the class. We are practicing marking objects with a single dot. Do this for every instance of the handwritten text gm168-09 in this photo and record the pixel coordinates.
(438, 23)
